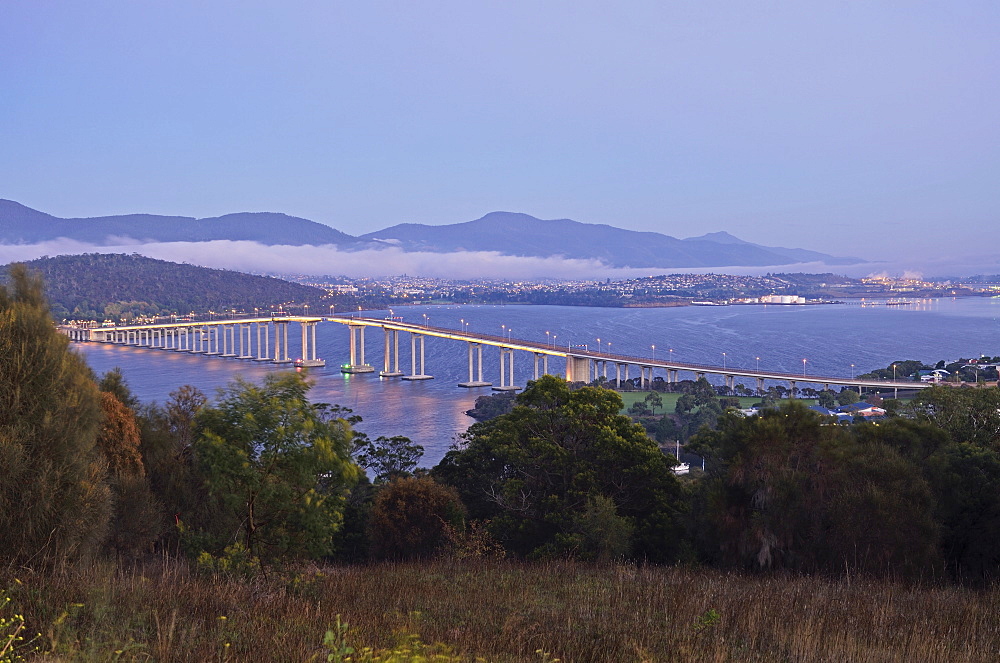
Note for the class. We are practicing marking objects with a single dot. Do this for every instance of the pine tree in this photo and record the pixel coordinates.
(54, 500)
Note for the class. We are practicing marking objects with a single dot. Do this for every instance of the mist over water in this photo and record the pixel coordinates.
(432, 412)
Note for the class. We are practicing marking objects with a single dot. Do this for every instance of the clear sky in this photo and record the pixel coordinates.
(860, 128)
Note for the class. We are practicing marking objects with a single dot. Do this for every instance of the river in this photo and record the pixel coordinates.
(432, 413)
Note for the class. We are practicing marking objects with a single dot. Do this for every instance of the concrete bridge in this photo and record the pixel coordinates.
(581, 364)
(235, 339)
(221, 338)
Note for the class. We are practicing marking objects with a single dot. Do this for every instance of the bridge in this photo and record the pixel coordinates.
(582, 364)
(234, 338)
(213, 338)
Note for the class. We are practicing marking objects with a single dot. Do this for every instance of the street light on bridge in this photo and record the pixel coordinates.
(758, 364)
(548, 339)
(723, 361)
(803, 368)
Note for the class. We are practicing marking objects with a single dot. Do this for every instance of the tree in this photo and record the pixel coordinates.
(135, 522)
(389, 457)
(847, 396)
(167, 435)
(414, 518)
(785, 491)
(113, 382)
(653, 400)
(275, 468)
(534, 473)
(54, 502)
(828, 399)
(968, 414)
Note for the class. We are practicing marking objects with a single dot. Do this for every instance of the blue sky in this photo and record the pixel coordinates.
(860, 128)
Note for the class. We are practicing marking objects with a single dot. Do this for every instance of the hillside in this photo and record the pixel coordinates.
(22, 225)
(99, 286)
(506, 233)
(524, 235)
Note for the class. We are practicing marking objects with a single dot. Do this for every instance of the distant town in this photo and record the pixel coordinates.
(651, 291)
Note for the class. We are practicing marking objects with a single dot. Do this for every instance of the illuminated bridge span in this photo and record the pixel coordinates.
(220, 338)
(235, 339)
(581, 364)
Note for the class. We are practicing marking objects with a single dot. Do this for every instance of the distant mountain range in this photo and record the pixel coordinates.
(505, 233)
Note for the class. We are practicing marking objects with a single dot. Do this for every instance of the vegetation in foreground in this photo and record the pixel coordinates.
(187, 531)
(500, 611)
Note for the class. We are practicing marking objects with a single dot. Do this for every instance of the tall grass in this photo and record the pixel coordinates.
(502, 611)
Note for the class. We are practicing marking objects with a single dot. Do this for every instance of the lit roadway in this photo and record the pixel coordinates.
(580, 352)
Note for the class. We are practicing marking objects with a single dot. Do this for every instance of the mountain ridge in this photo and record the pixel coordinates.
(504, 233)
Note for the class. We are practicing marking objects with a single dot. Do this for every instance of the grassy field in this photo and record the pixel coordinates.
(498, 611)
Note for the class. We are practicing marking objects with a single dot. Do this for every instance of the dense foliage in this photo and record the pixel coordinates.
(565, 474)
(54, 500)
(262, 473)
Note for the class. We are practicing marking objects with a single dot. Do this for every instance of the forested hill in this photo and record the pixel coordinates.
(112, 286)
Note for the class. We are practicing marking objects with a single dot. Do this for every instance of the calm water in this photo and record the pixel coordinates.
(432, 412)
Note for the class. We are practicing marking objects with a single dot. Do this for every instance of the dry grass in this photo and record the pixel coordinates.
(504, 611)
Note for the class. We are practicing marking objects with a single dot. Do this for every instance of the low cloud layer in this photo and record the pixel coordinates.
(329, 260)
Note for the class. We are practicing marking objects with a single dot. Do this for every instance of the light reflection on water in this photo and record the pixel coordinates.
(432, 412)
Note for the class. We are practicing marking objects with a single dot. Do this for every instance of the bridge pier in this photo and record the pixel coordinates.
(478, 381)
(645, 382)
(262, 349)
(760, 386)
(280, 343)
(506, 356)
(413, 359)
(246, 341)
(391, 353)
(357, 343)
(309, 358)
(577, 368)
(545, 364)
(228, 340)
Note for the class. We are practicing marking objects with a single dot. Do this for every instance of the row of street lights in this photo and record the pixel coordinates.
(550, 341)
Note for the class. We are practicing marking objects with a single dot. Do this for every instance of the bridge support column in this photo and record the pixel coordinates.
(760, 386)
(473, 382)
(199, 341)
(390, 365)
(793, 389)
(357, 348)
(281, 342)
(211, 333)
(730, 382)
(618, 375)
(413, 359)
(309, 359)
(262, 348)
(246, 342)
(577, 368)
(506, 356)
(228, 340)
